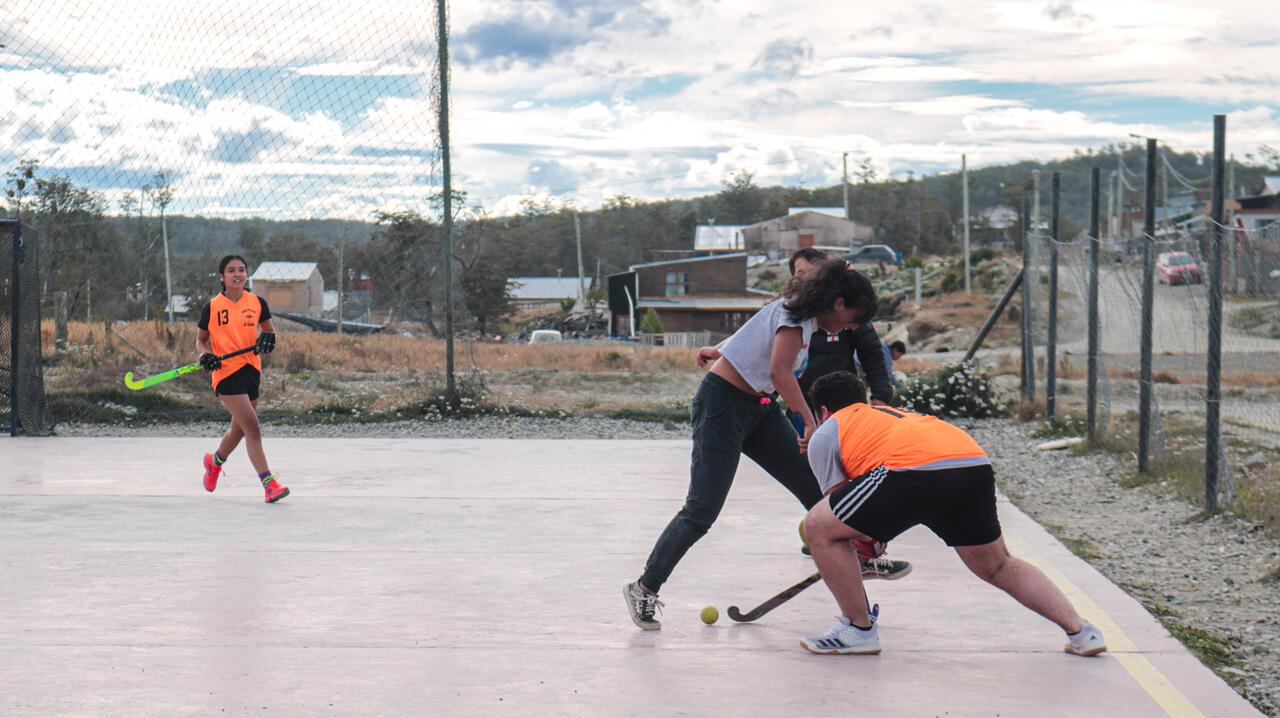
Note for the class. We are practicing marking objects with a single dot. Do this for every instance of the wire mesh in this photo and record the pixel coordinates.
(27, 376)
(146, 140)
(1250, 345)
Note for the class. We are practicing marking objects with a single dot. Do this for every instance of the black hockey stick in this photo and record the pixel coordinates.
(774, 602)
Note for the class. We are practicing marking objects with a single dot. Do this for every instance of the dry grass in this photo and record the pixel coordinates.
(164, 346)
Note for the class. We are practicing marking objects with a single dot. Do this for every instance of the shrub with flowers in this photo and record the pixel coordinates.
(960, 391)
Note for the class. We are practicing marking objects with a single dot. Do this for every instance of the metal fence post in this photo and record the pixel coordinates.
(1213, 373)
(1091, 393)
(1028, 277)
(14, 334)
(1148, 299)
(1051, 348)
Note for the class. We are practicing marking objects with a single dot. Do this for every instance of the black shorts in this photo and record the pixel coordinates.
(959, 505)
(245, 380)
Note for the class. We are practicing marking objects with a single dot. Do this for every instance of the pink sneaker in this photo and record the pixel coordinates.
(275, 490)
(211, 473)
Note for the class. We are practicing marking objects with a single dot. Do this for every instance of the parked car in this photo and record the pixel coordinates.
(874, 254)
(543, 336)
(1177, 268)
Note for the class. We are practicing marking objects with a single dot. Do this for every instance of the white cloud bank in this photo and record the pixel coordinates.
(583, 99)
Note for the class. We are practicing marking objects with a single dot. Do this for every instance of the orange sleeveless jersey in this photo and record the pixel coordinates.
(232, 326)
(874, 436)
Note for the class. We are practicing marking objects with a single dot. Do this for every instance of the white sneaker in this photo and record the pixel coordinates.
(642, 605)
(844, 638)
(1088, 642)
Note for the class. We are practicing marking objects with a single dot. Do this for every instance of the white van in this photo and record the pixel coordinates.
(542, 336)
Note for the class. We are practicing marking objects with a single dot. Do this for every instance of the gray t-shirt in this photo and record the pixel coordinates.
(750, 349)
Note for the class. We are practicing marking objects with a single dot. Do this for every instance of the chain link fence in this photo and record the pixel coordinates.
(143, 142)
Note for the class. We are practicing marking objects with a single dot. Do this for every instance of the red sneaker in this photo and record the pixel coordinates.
(275, 490)
(211, 473)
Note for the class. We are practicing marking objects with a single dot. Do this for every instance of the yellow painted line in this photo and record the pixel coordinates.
(1126, 652)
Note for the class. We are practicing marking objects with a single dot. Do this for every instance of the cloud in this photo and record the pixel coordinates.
(784, 57)
(534, 33)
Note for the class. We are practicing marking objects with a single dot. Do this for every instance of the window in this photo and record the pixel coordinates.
(677, 284)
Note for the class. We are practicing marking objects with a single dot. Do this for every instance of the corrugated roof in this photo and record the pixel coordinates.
(284, 271)
(544, 287)
(833, 211)
(736, 304)
(688, 259)
(718, 236)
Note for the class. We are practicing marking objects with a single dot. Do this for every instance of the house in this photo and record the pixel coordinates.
(180, 304)
(290, 287)
(699, 294)
(718, 238)
(1253, 252)
(529, 292)
(805, 228)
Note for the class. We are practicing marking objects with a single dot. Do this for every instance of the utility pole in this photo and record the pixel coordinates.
(1230, 219)
(1164, 186)
(168, 276)
(844, 160)
(964, 184)
(1120, 233)
(342, 274)
(577, 232)
(1111, 208)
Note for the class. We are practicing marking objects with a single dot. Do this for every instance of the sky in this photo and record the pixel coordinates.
(324, 109)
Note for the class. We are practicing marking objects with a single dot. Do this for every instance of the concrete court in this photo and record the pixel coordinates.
(478, 578)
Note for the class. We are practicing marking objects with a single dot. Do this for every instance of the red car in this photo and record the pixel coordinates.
(1178, 268)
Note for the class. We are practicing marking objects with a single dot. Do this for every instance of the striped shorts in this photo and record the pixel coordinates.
(957, 504)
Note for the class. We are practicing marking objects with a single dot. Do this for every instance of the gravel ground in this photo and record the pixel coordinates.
(1198, 575)
(1202, 574)
(490, 427)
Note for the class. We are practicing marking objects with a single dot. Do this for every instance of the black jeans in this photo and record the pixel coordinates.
(728, 423)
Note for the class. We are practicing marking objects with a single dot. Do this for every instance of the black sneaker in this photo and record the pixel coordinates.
(642, 606)
(885, 568)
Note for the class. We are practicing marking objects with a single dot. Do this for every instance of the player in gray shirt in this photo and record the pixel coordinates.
(735, 412)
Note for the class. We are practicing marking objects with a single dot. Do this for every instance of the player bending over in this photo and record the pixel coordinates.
(735, 413)
(886, 470)
(232, 321)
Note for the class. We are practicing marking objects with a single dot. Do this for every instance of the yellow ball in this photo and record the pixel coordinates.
(710, 615)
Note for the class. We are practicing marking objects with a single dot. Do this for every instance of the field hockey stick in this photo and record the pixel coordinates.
(774, 602)
(172, 374)
(787, 595)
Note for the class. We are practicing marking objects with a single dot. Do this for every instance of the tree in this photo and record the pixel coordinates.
(741, 201)
(651, 323)
(18, 179)
(487, 291)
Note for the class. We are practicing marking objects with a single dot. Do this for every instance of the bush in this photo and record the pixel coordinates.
(651, 323)
(913, 262)
(979, 256)
(951, 281)
(960, 391)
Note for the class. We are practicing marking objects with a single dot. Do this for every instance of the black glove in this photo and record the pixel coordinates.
(266, 343)
(210, 362)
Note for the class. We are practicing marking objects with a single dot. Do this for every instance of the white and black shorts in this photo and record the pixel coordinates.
(958, 504)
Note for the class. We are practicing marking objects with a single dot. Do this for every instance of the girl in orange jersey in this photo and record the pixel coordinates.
(233, 320)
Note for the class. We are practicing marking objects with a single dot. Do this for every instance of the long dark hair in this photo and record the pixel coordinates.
(806, 298)
(222, 267)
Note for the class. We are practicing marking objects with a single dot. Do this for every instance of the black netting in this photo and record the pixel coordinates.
(22, 297)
